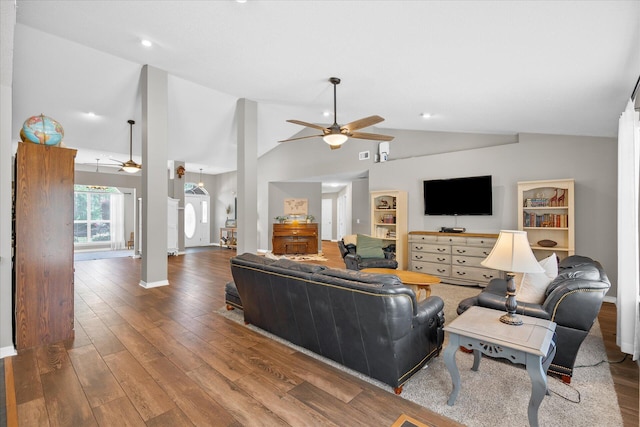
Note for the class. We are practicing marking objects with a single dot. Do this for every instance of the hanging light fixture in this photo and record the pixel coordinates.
(201, 184)
(130, 166)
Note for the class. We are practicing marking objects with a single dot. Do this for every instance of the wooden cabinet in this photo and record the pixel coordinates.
(389, 221)
(546, 213)
(454, 257)
(43, 257)
(299, 238)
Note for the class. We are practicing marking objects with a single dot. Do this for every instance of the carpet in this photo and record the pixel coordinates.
(498, 394)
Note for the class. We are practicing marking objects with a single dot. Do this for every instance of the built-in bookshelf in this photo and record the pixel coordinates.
(389, 221)
(546, 213)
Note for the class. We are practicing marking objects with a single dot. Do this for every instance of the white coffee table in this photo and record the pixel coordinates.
(479, 329)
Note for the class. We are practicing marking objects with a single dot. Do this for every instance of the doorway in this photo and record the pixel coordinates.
(196, 220)
(327, 219)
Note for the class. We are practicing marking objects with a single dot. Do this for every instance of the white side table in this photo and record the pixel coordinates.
(479, 329)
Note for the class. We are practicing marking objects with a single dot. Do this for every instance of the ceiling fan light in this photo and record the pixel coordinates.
(131, 167)
(335, 138)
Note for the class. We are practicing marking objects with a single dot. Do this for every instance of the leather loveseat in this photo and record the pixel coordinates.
(353, 261)
(572, 300)
(370, 323)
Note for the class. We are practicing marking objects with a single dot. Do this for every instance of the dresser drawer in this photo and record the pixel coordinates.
(431, 268)
(481, 241)
(425, 247)
(480, 275)
(477, 251)
(465, 261)
(431, 257)
(422, 238)
(451, 239)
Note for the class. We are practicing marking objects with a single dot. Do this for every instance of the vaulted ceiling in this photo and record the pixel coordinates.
(560, 67)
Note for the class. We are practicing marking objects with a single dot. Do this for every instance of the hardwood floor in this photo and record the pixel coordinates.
(163, 357)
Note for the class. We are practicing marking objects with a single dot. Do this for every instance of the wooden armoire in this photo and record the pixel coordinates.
(43, 244)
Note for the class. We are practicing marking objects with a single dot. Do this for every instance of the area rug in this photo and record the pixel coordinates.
(498, 394)
(305, 257)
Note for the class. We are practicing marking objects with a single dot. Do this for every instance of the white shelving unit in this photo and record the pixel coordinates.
(389, 221)
(546, 212)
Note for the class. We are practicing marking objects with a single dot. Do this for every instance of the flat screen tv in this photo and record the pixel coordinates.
(458, 196)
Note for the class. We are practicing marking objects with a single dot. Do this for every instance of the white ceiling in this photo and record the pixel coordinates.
(560, 67)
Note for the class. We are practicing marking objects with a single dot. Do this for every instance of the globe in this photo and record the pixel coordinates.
(42, 130)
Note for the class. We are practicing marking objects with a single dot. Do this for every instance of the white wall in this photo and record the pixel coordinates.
(591, 161)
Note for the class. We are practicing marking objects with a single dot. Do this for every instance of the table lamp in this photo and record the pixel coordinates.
(512, 254)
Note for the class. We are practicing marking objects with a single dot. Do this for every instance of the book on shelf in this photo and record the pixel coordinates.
(548, 220)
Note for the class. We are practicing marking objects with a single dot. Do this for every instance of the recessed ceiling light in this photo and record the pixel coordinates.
(146, 43)
(241, 1)
(425, 115)
(91, 114)
(326, 113)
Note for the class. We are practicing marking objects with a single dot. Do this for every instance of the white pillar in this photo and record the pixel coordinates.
(154, 177)
(247, 120)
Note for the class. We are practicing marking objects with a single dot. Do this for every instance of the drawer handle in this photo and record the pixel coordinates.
(419, 248)
(441, 259)
(461, 251)
(441, 250)
(418, 256)
(440, 270)
(417, 267)
(460, 273)
(460, 261)
(485, 253)
(487, 276)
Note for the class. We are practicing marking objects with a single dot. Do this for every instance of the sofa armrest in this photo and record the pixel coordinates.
(429, 309)
(575, 303)
(352, 261)
(497, 302)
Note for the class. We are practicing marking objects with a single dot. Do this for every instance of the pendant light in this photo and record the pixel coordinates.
(130, 166)
(200, 184)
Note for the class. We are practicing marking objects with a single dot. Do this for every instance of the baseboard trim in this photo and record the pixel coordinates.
(612, 300)
(154, 284)
(7, 351)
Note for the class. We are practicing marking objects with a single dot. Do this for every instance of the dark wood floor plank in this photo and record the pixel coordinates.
(243, 407)
(133, 341)
(119, 412)
(66, 402)
(26, 374)
(172, 418)
(145, 394)
(196, 404)
(97, 381)
(52, 357)
(291, 410)
(103, 339)
(185, 359)
(33, 413)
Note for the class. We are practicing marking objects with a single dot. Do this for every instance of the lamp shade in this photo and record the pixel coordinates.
(512, 253)
(335, 138)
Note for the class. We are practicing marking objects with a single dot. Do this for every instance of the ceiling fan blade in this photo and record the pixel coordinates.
(372, 136)
(309, 125)
(362, 123)
(301, 137)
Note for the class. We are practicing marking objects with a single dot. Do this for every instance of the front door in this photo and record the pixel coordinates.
(196, 220)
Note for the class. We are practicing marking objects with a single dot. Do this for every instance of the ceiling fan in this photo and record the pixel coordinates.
(130, 166)
(336, 135)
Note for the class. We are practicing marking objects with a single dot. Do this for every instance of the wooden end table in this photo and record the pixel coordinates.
(479, 329)
(419, 282)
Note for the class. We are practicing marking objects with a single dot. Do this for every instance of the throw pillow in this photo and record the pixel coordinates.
(369, 247)
(350, 239)
(532, 287)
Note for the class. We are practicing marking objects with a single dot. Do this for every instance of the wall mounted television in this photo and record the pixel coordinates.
(458, 196)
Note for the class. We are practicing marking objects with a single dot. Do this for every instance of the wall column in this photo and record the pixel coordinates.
(247, 120)
(154, 177)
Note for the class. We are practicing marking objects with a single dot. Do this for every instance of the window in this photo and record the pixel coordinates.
(92, 214)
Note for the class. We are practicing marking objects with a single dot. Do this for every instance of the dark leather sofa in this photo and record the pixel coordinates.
(573, 301)
(370, 323)
(353, 261)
